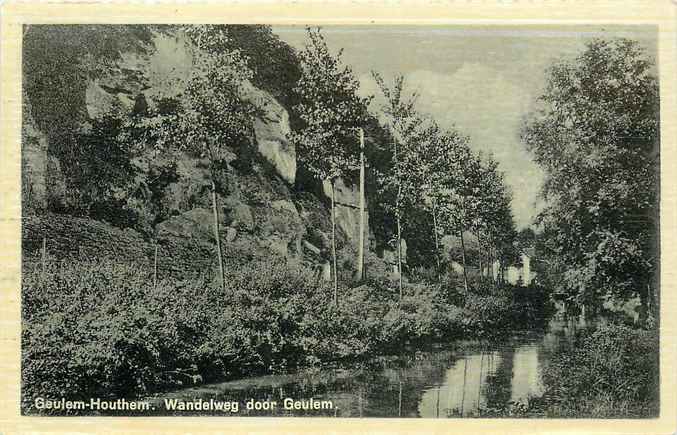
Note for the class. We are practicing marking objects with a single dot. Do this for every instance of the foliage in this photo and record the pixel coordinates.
(330, 110)
(435, 185)
(212, 111)
(275, 65)
(58, 60)
(105, 171)
(402, 122)
(610, 372)
(58, 63)
(103, 330)
(596, 135)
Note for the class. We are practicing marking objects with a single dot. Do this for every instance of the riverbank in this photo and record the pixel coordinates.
(520, 376)
(104, 330)
(611, 371)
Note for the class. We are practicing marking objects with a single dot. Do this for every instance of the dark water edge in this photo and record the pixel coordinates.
(459, 379)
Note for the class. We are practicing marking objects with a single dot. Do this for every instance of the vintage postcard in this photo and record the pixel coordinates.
(250, 218)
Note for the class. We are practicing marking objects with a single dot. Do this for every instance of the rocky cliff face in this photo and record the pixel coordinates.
(259, 209)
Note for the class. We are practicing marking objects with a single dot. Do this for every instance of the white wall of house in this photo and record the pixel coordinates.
(514, 274)
(526, 270)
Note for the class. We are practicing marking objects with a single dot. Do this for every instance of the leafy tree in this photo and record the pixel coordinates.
(526, 238)
(493, 219)
(402, 122)
(330, 110)
(457, 201)
(212, 113)
(431, 167)
(430, 172)
(596, 135)
(275, 65)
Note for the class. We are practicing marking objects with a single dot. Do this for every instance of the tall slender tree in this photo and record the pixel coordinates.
(331, 111)
(401, 121)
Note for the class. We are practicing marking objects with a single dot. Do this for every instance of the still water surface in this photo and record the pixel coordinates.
(456, 380)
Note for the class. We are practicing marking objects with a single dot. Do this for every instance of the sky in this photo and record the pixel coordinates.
(481, 80)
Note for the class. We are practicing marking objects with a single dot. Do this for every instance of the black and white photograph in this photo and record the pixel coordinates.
(380, 221)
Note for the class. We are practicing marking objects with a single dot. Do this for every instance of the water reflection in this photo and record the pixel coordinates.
(463, 390)
(454, 381)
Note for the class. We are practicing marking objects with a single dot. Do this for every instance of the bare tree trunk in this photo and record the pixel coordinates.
(360, 248)
(437, 243)
(465, 272)
(215, 212)
(465, 376)
(397, 215)
(399, 399)
(399, 253)
(333, 242)
(479, 254)
(219, 254)
(494, 278)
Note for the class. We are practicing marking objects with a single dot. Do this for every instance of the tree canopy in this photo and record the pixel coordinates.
(596, 135)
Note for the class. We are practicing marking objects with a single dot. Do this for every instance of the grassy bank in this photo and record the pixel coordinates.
(96, 328)
(609, 372)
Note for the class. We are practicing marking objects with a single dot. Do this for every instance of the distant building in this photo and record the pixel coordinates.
(517, 274)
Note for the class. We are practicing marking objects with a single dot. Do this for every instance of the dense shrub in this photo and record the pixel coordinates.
(423, 315)
(90, 331)
(487, 316)
(611, 372)
(98, 328)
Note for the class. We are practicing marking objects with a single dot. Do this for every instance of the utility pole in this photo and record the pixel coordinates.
(360, 248)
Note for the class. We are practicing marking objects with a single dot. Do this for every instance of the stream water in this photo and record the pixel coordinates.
(456, 380)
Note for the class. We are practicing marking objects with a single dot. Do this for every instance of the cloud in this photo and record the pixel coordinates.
(482, 103)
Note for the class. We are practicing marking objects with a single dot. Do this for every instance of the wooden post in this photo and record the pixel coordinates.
(360, 248)
(155, 268)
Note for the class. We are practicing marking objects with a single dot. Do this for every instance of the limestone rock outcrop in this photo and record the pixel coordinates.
(260, 211)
